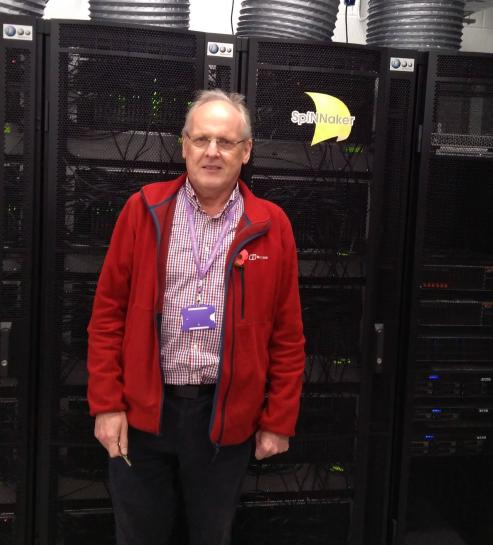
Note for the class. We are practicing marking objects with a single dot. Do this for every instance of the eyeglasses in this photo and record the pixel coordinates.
(223, 144)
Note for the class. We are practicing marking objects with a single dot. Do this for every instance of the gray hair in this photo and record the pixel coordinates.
(235, 99)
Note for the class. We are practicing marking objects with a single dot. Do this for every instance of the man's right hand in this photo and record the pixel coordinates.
(111, 430)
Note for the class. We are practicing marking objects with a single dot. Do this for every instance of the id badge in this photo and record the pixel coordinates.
(198, 317)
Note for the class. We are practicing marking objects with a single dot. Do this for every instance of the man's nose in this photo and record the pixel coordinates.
(212, 147)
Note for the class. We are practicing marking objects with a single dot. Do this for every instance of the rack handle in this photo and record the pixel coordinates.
(5, 328)
(380, 345)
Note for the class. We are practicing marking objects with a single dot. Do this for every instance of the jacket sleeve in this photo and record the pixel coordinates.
(107, 325)
(286, 349)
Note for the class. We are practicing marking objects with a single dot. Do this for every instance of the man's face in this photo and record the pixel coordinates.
(212, 170)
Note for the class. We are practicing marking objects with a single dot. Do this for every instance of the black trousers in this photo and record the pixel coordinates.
(180, 463)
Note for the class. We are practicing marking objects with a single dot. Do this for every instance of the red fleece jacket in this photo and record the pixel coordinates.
(262, 350)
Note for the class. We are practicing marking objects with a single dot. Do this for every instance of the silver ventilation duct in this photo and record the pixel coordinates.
(301, 19)
(431, 24)
(168, 13)
(23, 7)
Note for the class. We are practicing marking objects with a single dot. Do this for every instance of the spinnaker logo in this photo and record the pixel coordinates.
(331, 119)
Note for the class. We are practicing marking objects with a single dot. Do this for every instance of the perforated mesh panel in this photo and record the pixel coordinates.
(331, 338)
(463, 116)
(16, 205)
(462, 66)
(9, 477)
(459, 196)
(319, 55)
(453, 349)
(220, 77)
(328, 215)
(117, 93)
(327, 192)
(460, 200)
(282, 91)
(146, 41)
(17, 166)
(16, 189)
(396, 165)
(322, 412)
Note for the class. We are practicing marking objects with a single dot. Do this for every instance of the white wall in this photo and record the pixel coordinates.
(215, 16)
(67, 9)
(478, 36)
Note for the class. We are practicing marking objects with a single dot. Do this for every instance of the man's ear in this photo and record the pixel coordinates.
(248, 151)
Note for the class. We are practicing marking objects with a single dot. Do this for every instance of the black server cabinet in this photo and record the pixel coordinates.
(346, 196)
(117, 98)
(447, 471)
(19, 107)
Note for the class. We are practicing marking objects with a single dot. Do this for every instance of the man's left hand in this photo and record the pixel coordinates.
(268, 444)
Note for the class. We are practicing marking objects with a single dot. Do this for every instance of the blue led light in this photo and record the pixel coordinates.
(436, 410)
(428, 437)
(434, 377)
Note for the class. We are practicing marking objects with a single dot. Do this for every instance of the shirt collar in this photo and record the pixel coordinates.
(194, 201)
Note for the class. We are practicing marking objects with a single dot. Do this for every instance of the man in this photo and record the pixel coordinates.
(195, 341)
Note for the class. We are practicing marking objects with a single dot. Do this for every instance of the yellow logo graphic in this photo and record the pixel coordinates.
(331, 119)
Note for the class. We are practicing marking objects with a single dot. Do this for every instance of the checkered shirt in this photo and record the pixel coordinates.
(192, 357)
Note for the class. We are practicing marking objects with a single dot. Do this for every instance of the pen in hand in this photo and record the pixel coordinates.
(125, 457)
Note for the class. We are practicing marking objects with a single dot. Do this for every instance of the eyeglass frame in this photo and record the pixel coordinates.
(217, 140)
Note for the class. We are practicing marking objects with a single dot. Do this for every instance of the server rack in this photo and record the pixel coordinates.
(347, 201)
(117, 101)
(445, 488)
(19, 178)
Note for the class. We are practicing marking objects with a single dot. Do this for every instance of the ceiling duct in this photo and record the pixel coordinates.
(167, 13)
(418, 25)
(34, 8)
(300, 19)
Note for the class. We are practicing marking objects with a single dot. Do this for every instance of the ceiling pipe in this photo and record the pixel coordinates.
(424, 25)
(166, 13)
(299, 19)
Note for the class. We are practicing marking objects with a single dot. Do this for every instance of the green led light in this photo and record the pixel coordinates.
(156, 103)
(336, 468)
(7, 129)
(340, 253)
(341, 361)
(352, 148)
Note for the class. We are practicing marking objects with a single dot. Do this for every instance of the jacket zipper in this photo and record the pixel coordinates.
(223, 410)
(242, 276)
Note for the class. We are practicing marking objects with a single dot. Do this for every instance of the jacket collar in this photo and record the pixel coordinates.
(160, 193)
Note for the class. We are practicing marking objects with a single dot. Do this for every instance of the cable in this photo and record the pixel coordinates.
(232, 9)
(345, 17)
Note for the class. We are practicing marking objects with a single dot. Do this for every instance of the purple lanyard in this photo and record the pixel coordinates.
(201, 272)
